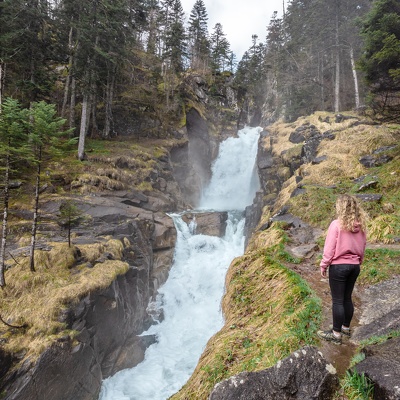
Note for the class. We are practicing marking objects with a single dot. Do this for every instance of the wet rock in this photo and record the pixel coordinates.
(377, 158)
(372, 161)
(319, 160)
(297, 137)
(340, 118)
(208, 223)
(305, 375)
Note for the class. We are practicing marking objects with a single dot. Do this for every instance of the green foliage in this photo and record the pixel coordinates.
(379, 339)
(380, 61)
(357, 387)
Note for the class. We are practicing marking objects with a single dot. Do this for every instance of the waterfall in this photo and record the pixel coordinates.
(190, 299)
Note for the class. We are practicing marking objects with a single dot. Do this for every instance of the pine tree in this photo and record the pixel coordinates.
(44, 127)
(198, 36)
(175, 37)
(381, 58)
(220, 48)
(13, 149)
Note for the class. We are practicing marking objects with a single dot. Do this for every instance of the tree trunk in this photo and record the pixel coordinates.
(2, 80)
(5, 220)
(35, 214)
(356, 90)
(72, 104)
(82, 132)
(70, 72)
(337, 64)
(109, 102)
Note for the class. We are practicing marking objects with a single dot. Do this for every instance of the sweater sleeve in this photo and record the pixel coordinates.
(330, 245)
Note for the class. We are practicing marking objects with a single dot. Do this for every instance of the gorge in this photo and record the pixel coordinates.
(189, 301)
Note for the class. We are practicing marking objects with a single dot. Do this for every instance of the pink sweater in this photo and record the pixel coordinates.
(343, 247)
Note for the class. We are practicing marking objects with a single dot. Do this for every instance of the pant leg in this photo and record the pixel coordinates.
(342, 278)
(348, 302)
(337, 283)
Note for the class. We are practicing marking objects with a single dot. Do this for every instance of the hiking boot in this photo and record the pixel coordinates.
(346, 332)
(329, 336)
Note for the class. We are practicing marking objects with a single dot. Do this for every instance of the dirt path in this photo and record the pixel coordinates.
(338, 356)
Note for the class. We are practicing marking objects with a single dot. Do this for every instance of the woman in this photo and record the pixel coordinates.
(343, 254)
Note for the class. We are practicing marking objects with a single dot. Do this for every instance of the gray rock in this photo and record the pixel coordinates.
(369, 197)
(305, 375)
(208, 223)
(381, 315)
(382, 367)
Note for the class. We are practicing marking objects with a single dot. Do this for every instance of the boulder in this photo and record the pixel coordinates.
(382, 315)
(382, 367)
(207, 223)
(305, 375)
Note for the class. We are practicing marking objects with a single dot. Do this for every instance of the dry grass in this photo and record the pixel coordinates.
(37, 299)
(343, 154)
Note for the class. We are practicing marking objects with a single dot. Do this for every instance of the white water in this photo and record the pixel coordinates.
(190, 299)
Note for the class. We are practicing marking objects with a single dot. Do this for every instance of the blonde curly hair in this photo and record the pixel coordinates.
(350, 213)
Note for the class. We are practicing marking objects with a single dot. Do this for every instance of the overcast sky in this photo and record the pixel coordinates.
(240, 19)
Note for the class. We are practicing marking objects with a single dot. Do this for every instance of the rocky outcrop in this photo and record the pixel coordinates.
(107, 322)
(305, 375)
(207, 223)
(192, 162)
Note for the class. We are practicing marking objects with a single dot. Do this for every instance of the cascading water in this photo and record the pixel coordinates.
(190, 299)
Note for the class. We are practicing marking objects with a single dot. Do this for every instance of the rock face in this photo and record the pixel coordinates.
(108, 322)
(192, 162)
(380, 317)
(305, 375)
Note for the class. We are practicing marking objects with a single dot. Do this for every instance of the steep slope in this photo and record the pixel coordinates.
(275, 299)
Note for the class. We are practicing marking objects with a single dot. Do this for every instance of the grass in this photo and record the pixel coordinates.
(38, 299)
(379, 265)
(357, 387)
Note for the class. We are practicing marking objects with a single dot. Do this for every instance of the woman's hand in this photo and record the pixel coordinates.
(323, 271)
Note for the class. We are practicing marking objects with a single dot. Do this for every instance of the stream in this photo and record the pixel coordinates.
(190, 300)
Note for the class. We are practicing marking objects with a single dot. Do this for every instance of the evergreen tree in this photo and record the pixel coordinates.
(13, 151)
(44, 127)
(26, 47)
(198, 36)
(220, 48)
(381, 58)
(175, 37)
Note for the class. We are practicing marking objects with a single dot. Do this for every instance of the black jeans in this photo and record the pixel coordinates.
(342, 278)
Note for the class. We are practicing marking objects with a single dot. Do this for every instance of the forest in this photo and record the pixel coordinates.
(96, 59)
(74, 69)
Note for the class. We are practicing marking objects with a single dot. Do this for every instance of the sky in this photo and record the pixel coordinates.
(240, 19)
